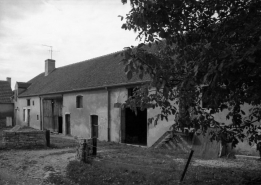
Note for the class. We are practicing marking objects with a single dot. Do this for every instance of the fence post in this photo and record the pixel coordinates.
(94, 146)
(84, 147)
(47, 136)
(186, 167)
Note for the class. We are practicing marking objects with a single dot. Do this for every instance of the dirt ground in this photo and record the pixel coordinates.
(32, 167)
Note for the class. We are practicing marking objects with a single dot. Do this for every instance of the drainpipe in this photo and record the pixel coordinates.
(108, 114)
(41, 123)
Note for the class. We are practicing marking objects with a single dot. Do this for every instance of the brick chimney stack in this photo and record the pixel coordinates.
(9, 80)
(49, 66)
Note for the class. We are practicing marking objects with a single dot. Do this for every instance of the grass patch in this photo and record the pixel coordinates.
(59, 142)
(58, 179)
(104, 173)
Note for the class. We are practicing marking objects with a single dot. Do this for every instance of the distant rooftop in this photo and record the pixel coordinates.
(5, 92)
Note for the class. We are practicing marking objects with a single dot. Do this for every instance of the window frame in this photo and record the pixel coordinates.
(28, 103)
(79, 101)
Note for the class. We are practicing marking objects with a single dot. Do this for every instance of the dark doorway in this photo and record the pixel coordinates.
(135, 127)
(60, 122)
(94, 124)
(68, 124)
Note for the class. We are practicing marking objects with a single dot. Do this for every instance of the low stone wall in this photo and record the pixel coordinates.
(2, 123)
(24, 139)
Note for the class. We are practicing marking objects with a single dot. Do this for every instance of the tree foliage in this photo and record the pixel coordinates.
(196, 50)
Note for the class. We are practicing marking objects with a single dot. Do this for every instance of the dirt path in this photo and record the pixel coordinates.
(32, 166)
(8, 177)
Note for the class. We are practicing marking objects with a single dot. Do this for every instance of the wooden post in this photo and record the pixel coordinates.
(186, 167)
(47, 136)
(94, 146)
(84, 147)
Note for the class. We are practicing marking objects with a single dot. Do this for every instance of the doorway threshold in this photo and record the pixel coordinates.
(136, 145)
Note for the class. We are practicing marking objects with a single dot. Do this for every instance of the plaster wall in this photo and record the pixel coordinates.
(94, 103)
(34, 107)
(162, 126)
(118, 95)
(242, 147)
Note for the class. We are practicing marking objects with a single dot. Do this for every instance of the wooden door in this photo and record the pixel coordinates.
(68, 124)
(94, 124)
(47, 115)
(123, 129)
(28, 117)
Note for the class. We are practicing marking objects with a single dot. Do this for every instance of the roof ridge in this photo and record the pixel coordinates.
(91, 59)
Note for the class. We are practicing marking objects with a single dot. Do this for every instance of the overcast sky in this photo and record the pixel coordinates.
(77, 29)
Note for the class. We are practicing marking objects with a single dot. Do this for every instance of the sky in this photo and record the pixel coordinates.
(77, 30)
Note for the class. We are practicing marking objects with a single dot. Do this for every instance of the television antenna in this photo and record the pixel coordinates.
(51, 49)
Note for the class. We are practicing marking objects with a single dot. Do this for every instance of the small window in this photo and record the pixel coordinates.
(37, 117)
(130, 92)
(33, 102)
(28, 102)
(79, 102)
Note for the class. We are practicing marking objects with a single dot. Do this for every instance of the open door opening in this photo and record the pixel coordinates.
(134, 127)
(60, 124)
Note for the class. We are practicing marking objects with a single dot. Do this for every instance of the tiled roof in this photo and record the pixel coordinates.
(5, 92)
(98, 72)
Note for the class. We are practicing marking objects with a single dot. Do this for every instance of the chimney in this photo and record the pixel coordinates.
(49, 66)
(9, 80)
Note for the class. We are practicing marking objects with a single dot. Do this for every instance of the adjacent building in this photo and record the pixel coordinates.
(6, 104)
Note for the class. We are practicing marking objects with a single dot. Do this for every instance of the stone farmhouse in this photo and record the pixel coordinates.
(84, 100)
(6, 104)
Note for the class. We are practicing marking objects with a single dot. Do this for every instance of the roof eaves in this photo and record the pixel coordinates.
(6, 103)
(90, 88)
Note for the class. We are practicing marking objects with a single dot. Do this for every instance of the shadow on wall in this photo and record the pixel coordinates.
(204, 148)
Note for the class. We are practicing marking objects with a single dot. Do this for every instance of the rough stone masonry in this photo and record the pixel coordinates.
(24, 139)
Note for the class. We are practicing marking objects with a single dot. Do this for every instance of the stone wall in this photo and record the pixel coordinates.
(24, 139)
(2, 123)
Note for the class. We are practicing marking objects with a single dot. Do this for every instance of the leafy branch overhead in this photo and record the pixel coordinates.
(194, 51)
